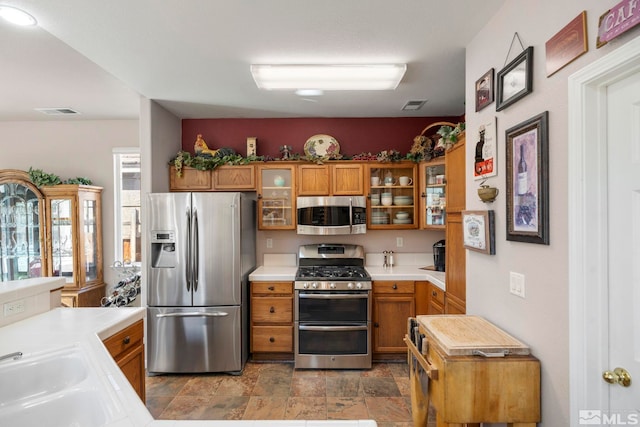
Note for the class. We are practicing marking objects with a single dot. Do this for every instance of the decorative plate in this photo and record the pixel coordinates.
(321, 146)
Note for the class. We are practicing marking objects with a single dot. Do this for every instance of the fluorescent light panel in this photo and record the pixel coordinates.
(328, 77)
(17, 16)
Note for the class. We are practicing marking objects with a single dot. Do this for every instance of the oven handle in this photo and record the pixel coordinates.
(333, 328)
(362, 295)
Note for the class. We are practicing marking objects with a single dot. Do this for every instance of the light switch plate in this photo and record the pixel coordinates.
(399, 242)
(269, 243)
(516, 284)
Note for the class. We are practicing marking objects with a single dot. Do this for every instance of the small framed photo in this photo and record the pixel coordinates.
(528, 180)
(485, 90)
(515, 81)
(478, 231)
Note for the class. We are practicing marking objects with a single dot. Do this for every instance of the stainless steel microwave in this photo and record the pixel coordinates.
(332, 215)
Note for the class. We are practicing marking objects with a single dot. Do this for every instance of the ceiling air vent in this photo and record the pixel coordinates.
(414, 105)
(57, 111)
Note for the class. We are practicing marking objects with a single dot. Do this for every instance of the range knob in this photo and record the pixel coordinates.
(305, 285)
(332, 285)
(350, 285)
(358, 285)
(314, 285)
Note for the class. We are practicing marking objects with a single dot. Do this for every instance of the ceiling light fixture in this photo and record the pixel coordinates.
(328, 77)
(17, 16)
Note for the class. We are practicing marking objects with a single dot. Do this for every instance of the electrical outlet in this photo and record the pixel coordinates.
(516, 284)
(399, 242)
(14, 307)
(269, 243)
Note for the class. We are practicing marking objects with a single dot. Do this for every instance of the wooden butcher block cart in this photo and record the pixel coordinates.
(471, 372)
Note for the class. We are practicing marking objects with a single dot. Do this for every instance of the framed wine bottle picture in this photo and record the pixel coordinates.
(528, 180)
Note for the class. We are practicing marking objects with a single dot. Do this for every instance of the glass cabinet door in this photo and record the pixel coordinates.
(90, 252)
(62, 238)
(433, 189)
(20, 227)
(392, 196)
(276, 197)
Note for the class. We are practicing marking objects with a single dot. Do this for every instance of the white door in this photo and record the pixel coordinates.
(623, 187)
(604, 237)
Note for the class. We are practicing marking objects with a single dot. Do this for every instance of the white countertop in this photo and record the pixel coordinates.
(86, 328)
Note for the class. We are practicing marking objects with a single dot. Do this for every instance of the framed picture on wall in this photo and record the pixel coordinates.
(485, 90)
(528, 180)
(515, 81)
(478, 231)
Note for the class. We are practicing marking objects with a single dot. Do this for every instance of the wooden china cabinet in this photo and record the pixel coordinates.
(74, 242)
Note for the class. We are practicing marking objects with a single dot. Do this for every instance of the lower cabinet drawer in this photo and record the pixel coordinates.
(128, 338)
(273, 339)
(272, 310)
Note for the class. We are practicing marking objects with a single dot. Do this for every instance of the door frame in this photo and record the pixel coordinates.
(587, 216)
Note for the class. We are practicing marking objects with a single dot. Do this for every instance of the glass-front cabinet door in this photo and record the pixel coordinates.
(21, 227)
(62, 238)
(276, 197)
(433, 194)
(392, 195)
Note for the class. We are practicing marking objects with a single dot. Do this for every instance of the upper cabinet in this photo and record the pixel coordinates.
(392, 195)
(276, 197)
(74, 242)
(333, 179)
(22, 249)
(433, 194)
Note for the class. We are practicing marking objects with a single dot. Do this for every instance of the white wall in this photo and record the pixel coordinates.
(72, 149)
(541, 320)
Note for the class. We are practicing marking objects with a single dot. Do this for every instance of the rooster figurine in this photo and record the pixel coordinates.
(200, 147)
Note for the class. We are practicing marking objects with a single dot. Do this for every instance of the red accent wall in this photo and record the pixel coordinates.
(355, 135)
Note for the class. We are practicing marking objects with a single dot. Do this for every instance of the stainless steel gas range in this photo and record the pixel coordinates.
(332, 313)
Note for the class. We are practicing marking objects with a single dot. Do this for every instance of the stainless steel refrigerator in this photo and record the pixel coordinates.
(202, 250)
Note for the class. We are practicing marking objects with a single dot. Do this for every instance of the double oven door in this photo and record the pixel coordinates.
(332, 329)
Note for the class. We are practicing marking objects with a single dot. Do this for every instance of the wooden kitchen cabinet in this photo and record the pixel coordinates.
(127, 349)
(74, 242)
(393, 303)
(332, 179)
(392, 203)
(276, 197)
(234, 178)
(271, 334)
(455, 260)
(429, 298)
(190, 180)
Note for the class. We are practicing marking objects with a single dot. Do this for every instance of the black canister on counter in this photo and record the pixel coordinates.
(439, 254)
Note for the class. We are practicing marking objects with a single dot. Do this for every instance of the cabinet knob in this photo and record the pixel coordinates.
(271, 288)
(126, 340)
(434, 293)
(272, 339)
(259, 196)
(377, 325)
(395, 286)
(272, 310)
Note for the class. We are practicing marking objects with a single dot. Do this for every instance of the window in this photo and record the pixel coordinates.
(127, 225)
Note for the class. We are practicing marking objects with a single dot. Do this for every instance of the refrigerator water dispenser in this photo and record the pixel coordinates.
(163, 249)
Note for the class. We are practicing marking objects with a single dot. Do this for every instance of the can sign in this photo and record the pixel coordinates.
(618, 20)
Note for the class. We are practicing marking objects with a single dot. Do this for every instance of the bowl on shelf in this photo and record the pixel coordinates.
(402, 221)
(403, 200)
(402, 215)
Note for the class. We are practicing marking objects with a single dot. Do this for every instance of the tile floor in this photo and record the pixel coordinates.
(269, 391)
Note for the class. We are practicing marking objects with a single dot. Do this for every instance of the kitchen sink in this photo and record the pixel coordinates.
(41, 374)
(54, 388)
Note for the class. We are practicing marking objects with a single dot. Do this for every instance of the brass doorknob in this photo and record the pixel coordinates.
(618, 376)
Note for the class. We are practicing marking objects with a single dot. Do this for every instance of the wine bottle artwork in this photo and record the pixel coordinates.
(522, 183)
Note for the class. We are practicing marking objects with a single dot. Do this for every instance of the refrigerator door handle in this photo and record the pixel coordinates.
(193, 314)
(195, 250)
(187, 270)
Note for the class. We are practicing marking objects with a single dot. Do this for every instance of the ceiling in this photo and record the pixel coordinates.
(193, 56)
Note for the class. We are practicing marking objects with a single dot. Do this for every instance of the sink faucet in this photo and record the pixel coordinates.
(15, 356)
